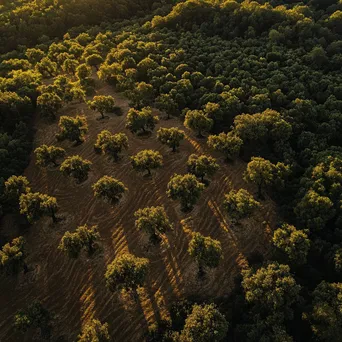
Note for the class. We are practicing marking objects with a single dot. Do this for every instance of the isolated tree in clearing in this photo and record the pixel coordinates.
(206, 251)
(170, 137)
(46, 155)
(83, 238)
(202, 165)
(72, 129)
(152, 220)
(204, 324)
(147, 160)
(126, 272)
(36, 316)
(111, 144)
(109, 189)
(76, 167)
(36, 205)
(94, 331)
(102, 104)
(239, 204)
(185, 188)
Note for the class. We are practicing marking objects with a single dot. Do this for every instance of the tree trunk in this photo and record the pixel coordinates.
(53, 215)
(148, 172)
(102, 115)
(173, 148)
(202, 178)
(259, 190)
(55, 163)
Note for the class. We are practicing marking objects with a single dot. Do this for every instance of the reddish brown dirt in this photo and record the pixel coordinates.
(74, 290)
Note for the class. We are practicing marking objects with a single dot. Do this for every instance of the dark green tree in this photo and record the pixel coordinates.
(228, 144)
(202, 165)
(185, 188)
(126, 272)
(170, 137)
(272, 289)
(152, 220)
(198, 121)
(102, 104)
(36, 205)
(83, 238)
(206, 251)
(72, 129)
(141, 120)
(15, 186)
(205, 323)
(109, 189)
(49, 104)
(111, 144)
(46, 155)
(12, 256)
(239, 204)
(147, 160)
(295, 243)
(76, 167)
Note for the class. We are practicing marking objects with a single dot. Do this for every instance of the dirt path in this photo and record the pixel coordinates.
(75, 289)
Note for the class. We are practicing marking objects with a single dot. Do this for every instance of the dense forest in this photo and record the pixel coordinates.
(237, 101)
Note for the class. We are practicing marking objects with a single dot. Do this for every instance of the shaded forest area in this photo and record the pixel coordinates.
(251, 89)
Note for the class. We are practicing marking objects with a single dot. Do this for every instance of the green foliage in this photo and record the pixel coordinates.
(72, 129)
(46, 155)
(229, 144)
(206, 251)
(94, 331)
(102, 104)
(49, 104)
(239, 204)
(111, 144)
(83, 72)
(202, 165)
(170, 137)
(109, 189)
(198, 121)
(141, 120)
(147, 160)
(152, 220)
(46, 67)
(15, 186)
(326, 316)
(262, 172)
(12, 256)
(36, 316)
(76, 167)
(83, 238)
(293, 242)
(94, 60)
(126, 272)
(314, 210)
(141, 96)
(272, 289)
(36, 205)
(205, 323)
(185, 188)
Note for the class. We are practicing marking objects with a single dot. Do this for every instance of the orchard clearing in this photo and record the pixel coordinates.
(74, 290)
